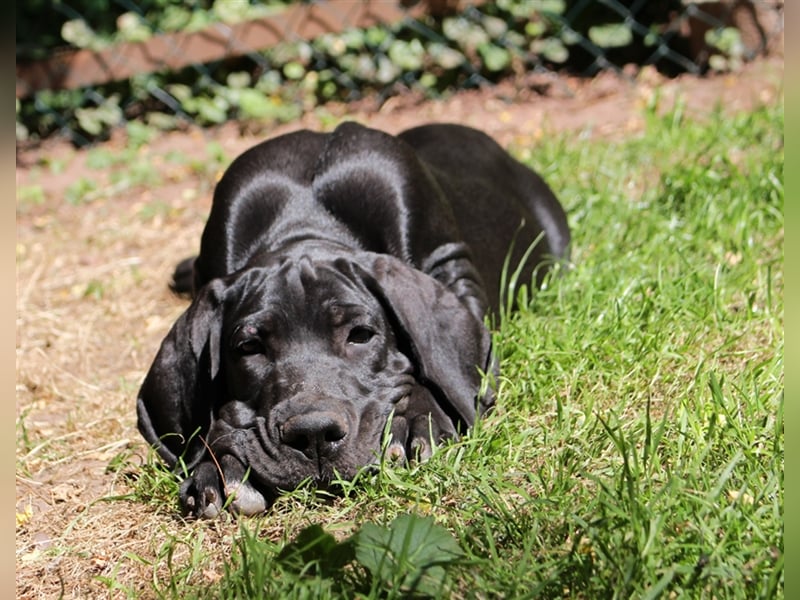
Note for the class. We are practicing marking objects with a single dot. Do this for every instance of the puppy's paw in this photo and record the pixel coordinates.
(183, 277)
(427, 431)
(200, 495)
(396, 450)
(419, 428)
(242, 497)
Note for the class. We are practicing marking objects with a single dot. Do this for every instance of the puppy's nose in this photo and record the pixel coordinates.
(315, 434)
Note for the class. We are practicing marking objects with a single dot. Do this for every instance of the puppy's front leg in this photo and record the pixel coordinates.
(419, 424)
(220, 481)
(207, 492)
(242, 497)
(201, 493)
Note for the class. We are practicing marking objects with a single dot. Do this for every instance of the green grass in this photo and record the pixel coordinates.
(637, 447)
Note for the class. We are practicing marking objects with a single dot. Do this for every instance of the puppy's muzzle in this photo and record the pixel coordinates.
(317, 434)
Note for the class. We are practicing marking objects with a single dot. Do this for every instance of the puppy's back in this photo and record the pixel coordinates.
(498, 202)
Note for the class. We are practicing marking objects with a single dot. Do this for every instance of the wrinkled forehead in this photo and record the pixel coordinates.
(302, 288)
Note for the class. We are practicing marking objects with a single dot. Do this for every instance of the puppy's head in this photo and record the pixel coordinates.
(294, 368)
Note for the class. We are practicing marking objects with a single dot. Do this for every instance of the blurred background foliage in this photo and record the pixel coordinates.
(449, 47)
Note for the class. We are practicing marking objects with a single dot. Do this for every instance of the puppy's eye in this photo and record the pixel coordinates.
(250, 346)
(360, 335)
(246, 341)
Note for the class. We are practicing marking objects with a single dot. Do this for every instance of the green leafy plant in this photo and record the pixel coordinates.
(409, 556)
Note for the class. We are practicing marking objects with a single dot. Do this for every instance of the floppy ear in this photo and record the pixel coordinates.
(175, 401)
(449, 345)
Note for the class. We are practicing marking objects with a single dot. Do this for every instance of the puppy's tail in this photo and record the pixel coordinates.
(182, 282)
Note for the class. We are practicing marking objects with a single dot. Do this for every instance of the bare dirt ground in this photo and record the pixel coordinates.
(93, 305)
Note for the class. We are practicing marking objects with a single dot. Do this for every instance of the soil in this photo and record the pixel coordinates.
(93, 305)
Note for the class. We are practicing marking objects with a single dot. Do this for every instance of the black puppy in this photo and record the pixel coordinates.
(342, 279)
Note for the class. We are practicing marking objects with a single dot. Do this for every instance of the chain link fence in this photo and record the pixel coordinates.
(87, 66)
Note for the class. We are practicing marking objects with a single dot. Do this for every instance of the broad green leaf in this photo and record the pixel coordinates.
(410, 554)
